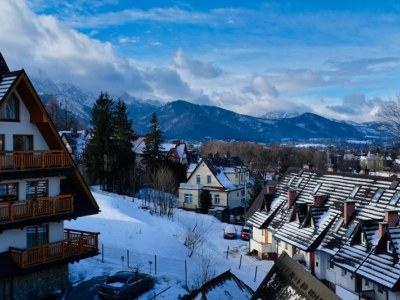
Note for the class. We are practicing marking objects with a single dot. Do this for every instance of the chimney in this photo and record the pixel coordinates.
(332, 168)
(391, 217)
(318, 200)
(271, 190)
(308, 166)
(382, 228)
(292, 194)
(348, 211)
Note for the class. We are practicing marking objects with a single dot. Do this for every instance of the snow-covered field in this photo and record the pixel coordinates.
(154, 242)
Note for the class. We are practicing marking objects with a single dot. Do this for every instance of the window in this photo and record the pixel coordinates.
(198, 179)
(377, 195)
(389, 247)
(10, 109)
(2, 142)
(363, 239)
(36, 189)
(242, 192)
(37, 235)
(395, 198)
(338, 225)
(23, 142)
(350, 230)
(208, 179)
(242, 201)
(315, 190)
(330, 263)
(286, 246)
(216, 199)
(354, 191)
(344, 272)
(188, 198)
(9, 191)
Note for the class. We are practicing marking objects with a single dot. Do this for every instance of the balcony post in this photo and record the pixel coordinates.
(42, 159)
(11, 211)
(53, 203)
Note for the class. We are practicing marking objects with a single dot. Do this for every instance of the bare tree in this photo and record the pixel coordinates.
(194, 238)
(390, 116)
(205, 271)
(165, 183)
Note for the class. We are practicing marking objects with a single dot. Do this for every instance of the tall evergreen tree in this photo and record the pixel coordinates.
(99, 150)
(123, 156)
(152, 157)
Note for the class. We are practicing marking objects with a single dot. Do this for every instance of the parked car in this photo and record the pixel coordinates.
(124, 285)
(245, 233)
(230, 232)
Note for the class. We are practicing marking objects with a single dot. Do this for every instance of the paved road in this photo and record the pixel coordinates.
(85, 290)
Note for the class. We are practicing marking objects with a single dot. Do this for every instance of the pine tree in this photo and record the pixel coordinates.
(152, 157)
(99, 150)
(123, 156)
(256, 189)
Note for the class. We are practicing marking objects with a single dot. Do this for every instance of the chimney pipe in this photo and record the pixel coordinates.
(349, 209)
(318, 200)
(292, 194)
(271, 190)
(382, 228)
(391, 218)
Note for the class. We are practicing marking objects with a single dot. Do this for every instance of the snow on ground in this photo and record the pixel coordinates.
(127, 229)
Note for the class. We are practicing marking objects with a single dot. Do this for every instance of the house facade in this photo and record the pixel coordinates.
(344, 228)
(229, 186)
(40, 188)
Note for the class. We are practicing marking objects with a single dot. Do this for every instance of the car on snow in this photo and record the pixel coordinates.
(230, 232)
(124, 285)
(245, 233)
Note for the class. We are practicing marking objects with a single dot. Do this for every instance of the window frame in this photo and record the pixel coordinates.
(6, 104)
(198, 179)
(188, 198)
(36, 193)
(208, 179)
(389, 246)
(2, 142)
(217, 199)
(19, 140)
(7, 190)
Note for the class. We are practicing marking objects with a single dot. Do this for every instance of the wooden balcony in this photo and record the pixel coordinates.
(35, 208)
(77, 244)
(20, 160)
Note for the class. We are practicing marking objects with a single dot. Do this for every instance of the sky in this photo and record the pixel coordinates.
(339, 59)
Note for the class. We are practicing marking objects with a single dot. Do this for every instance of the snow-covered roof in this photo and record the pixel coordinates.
(309, 226)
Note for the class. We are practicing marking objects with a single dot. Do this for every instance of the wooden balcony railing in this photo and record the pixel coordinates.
(33, 159)
(76, 244)
(38, 207)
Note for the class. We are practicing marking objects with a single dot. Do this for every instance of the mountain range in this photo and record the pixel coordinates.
(187, 121)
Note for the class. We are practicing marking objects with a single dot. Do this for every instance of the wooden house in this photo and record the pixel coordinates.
(40, 188)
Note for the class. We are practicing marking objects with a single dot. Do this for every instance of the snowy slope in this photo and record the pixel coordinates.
(124, 226)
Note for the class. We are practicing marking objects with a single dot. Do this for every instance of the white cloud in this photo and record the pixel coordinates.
(196, 67)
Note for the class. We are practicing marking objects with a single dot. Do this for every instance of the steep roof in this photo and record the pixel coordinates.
(309, 227)
(288, 280)
(224, 286)
(18, 81)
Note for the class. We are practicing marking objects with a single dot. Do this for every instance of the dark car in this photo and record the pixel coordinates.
(124, 285)
(230, 232)
(245, 233)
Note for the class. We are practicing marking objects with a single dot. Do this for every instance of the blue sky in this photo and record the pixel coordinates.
(339, 59)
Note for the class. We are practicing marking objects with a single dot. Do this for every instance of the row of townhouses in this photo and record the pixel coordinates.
(344, 228)
(40, 188)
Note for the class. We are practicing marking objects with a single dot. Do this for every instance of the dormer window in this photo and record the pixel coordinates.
(377, 195)
(395, 198)
(389, 246)
(354, 191)
(290, 181)
(315, 190)
(10, 109)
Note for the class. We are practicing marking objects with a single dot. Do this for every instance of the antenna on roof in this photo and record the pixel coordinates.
(3, 66)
